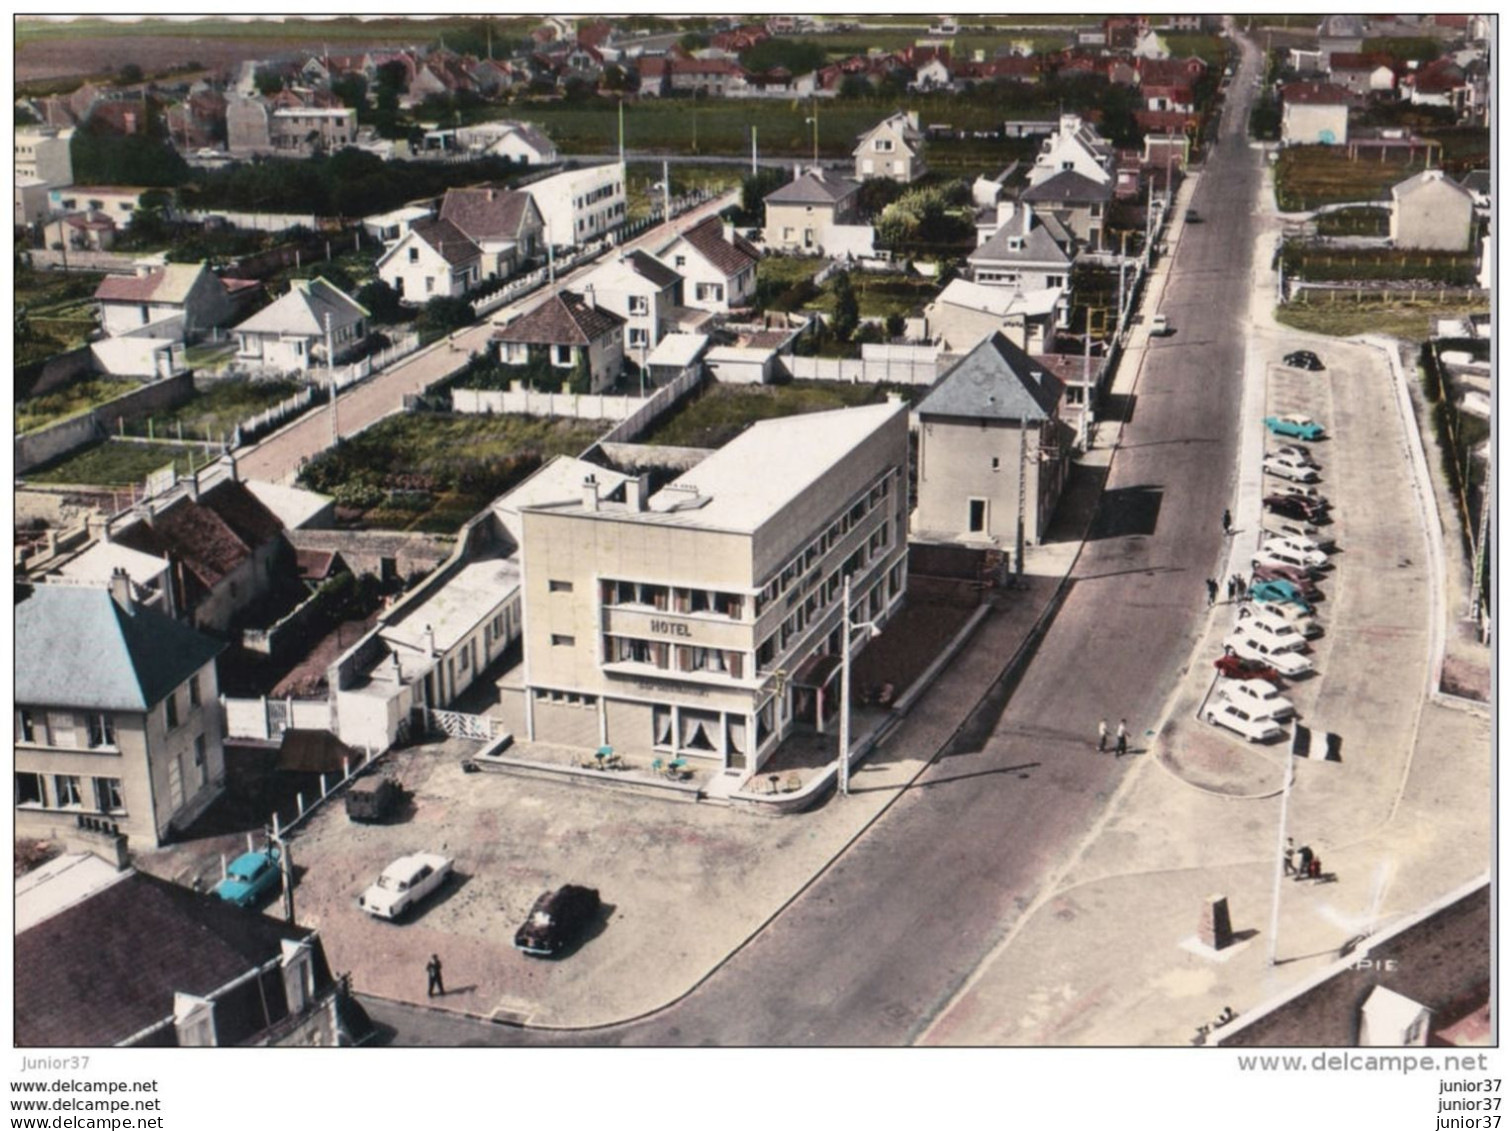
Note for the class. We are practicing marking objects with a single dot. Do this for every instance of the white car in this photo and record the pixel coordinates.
(1278, 526)
(1274, 632)
(1270, 556)
(1298, 491)
(1290, 467)
(1248, 646)
(1303, 621)
(1258, 697)
(1237, 718)
(1307, 551)
(1297, 453)
(404, 883)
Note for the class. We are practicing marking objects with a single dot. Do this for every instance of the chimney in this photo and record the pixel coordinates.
(588, 295)
(120, 589)
(797, 171)
(636, 491)
(191, 484)
(590, 494)
(430, 641)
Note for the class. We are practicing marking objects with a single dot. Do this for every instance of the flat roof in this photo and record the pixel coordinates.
(678, 349)
(456, 608)
(102, 559)
(59, 884)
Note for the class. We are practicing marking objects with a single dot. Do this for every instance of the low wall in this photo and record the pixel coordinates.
(49, 443)
(366, 550)
(529, 402)
(590, 779)
(39, 377)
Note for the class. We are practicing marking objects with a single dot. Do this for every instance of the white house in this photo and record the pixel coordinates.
(506, 225)
(965, 313)
(292, 333)
(115, 201)
(893, 149)
(1430, 212)
(570, 334)
(185, 298)
(518, 141)
(1029, 251)
(580, 205)
(718, 267)
(434, 258)
(1075, 147)
(641, 290)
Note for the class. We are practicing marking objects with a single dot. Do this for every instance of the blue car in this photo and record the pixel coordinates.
(1295, 425)
(1279, 592)
(251, 876)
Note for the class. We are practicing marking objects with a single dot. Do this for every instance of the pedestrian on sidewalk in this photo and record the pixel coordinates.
(1304, 862)
(1231, 590)
(1102, 735)
(1240, 588)
(1122, 746)
(1212, 588)
(433, 984)
(1289, 861)
(1227, 520)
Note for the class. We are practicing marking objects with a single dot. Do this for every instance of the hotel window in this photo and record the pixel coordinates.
(108, 796)
(170, 710)
(60, 727)
(67, 792)
(559, 640)
(101, 730)
(29, 789)
(557, 587)
(27, 726)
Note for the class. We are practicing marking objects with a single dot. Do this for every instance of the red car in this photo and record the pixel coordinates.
(1301, 578)
(1237, 667)
(1297, 507)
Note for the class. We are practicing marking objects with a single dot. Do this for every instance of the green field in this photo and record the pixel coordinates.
(76, 398)
(1404, 317)
(721, 412)
(1311, 175)
(117, 463)
(214, 413)
(881, 295)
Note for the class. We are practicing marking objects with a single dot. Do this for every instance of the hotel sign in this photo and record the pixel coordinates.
(670, 628)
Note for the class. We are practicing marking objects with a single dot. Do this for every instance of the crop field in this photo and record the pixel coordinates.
(1398, 315)
(1311, 175)
(119, 463)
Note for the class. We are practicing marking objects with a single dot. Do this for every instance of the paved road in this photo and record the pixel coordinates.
(881, 942)
(278, 458)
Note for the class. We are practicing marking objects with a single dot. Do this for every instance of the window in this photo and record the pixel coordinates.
(108, 796)
(559, 640)
(1055, 280)
(60, 727)
(680, 261)
(194, 691)
(559, 586)
(639, 337)
(430, 284)
(414, 255)
(102, 730)
(170, 710)
(26, 728)
(640, 304)
(710, 292)
(67, 792)
(883, 145)
(561, 355)
(995, 462)
(29, 789)
(201, 770)
(976, 521)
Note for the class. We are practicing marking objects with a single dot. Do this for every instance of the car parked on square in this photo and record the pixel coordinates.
(1279, 591)
(1304, 550)
(1290, 467)
(1259, 698)
(1233, 666)
(1239, 719)
(1303, 359)
(250, 877)
(1296, 614)
(405, 883)
(556, 919)
(1247, 646)
(1295, 507)
(1296, 425)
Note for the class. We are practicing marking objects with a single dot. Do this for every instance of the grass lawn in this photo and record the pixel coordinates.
(1310, 175)
(880, 295)
(76, 398)
(210, 355)
(640, 176)
(116, 463)
(786, 270)
(722, 412)
(1355, 222)
(1400, 318)
(216, 411)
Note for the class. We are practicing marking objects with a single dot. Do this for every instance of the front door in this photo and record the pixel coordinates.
(176, 782)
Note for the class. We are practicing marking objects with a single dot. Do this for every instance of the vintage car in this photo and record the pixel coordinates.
(1303, 359)
(250, 877)
(372, 799)
(1278, 590)
(1258, 698)
(1248, 645)
(556, 919)
(1295, 425)
(405, 883)
(1239, 718)
(1233, 666)
(1291, 467)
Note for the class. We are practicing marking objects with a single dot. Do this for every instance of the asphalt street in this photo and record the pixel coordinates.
(881, 941)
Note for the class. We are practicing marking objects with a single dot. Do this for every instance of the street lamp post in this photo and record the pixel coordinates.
(1291, 775)
(846, 626)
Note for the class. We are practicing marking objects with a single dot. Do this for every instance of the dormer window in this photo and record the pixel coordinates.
(883, 145)
(1015, 243)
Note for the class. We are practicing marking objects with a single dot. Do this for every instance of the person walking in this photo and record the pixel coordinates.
(1239, 587)
(1227, 520)
(1304, 862)
(1289, 861)
(1212, 588)
(433, 984)
(1102, 735)
(1121, 746)
(1231, 590)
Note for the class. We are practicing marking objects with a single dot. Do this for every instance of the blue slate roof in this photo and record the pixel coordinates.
(995, 381)
(76, 647)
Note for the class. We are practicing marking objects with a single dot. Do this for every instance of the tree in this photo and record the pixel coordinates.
(854, 86)
(799, 56)
(847, 309)
(381, 300)
(268, 81)
(129, 75)
(582, 375)
(897, 325)
(755, 189)
(443, 314)
(352, 90)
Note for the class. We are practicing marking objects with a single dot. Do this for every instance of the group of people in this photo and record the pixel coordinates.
(1301, 863)
(1120, 738)
(1238, 589)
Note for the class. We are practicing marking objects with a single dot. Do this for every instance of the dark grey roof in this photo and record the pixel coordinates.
(995, 381)
(1039, 244)
(654, 271)
(1068, 187)
(76, 647)
(814, 189)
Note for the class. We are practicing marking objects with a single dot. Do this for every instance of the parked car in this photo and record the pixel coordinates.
(1237, 717)
(1289, 467)
(1304, 359)
(1298, 453)
(1233, 666)
(1296, 506)
(1247, 646)
(1295, 566)
(1259, 698)
(1192, 216)
(1278, 526)
(556, 918)
(405, 883)
(1296, 425)
(1273, 632)
(371, 799)
(1278, 591)
(1298, 615)
(250, 877)
(1159, 327)
(1302, 548)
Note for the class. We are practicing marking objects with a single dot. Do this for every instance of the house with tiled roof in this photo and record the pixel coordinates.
(893, 149)
(227, 550)
(1340, 33)
(1363, 75)
(1078, 202)
(964, 313)
(715, 78)
(655, 76)
(643, 291)
(1075, 146)
(108, 957)
(85, 231)
(571, 335)
(433, 259)
(521, 142)
(800, 213)
(717, 265)
(291, 334)
(189, 296)
(117, 715)
(992, 421)
(1028, 251)
(1314, 113)
(505, 225)
(119, 202)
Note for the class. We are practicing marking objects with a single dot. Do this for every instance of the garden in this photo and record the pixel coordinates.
(1400, 314)
(720, 412)
(1308, 176)
(71, 400)
(120, 463)
(213, 413)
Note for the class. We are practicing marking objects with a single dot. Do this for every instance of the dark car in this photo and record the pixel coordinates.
(1193, 217)
(1237, 667)
(1304, 359)
(372, 799)
(556, 918)
(1300, 578)
(1294, 506)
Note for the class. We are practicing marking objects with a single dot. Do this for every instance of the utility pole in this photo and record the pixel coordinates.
(753, 151)
(285, 867)
(1086, 417)
(331, 366)
(1286, 788)
(1023, 487)
(845, 687)
(622, 129)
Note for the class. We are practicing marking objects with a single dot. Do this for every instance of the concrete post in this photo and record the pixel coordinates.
(1216, 930)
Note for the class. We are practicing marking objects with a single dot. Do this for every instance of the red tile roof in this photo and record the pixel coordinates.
(730, 257)
(447, 239)
(485, 212)
(563, 319)
(1316, 93)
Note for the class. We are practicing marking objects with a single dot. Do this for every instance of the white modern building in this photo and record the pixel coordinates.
(580, 205)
